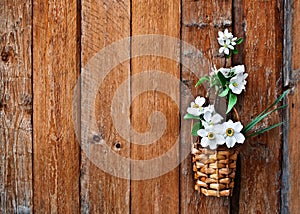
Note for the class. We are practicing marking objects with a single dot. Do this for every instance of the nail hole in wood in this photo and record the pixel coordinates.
(117, 145)
(96, 138)
(4, 56)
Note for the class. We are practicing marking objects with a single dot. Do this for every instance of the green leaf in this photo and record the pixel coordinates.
(227, 56)
(239, 41)
(202, 80)
(231, 102)
(190, 116)
(222, 79)
(235, 51)
(196, 127)
(265, 130)
(259, 118)
(224, 92)
(275, 102)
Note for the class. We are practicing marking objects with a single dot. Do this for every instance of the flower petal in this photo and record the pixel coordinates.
(193, 111)
(204, 142)
(226, 51)
(213, 144)
(221, 34)
(240, 138)
(207, 116)
(202, 132)
(216, 118)
(220, 129)
(230, 141)
(239, 69)
(237, 126)
(221, 50)
(221, 41)
(235, 90)
(200, 100)
(220, 139)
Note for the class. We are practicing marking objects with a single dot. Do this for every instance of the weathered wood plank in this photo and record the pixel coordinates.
(15, 107)
(294, 107)
(103, 189)
(201, 21)
(55, 72)
(154, 194)
(261, 156)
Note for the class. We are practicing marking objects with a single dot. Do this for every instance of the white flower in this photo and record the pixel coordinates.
(210, 136)
(227, 41)
(237, 83)
(232, 41)
(225, 71)
(232, 133)
(238, 69)
(196, 108)
(226, 45)
(209, 108)
(226, 35)
(211, 119)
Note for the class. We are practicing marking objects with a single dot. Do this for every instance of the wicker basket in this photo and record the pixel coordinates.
(214, 170)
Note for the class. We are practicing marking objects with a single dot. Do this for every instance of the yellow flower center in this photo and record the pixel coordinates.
(196, 106)
(229, 132)
(211, 135)
(235, 84)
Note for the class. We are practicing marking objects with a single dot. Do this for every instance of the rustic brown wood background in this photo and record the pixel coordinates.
(45, 43)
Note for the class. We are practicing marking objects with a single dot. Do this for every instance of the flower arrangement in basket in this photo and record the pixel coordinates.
(215, 152)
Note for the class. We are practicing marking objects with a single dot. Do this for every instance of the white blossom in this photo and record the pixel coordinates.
(232, 133)
(211, 119)
(226, 35)
(211, 137)
(226, 45)
(237, 83)
(232, 41)
(227, 41)
(225, 71)
(238, 69)
(196, 107)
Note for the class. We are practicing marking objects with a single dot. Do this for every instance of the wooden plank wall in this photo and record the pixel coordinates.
(294, 109)
(55, 72)
(261, 156)
(15, 107)
(45, 44)
(103, 23)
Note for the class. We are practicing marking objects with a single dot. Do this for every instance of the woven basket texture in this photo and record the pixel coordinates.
(214, 170)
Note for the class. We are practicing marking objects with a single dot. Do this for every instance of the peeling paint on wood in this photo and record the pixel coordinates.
(16, 195)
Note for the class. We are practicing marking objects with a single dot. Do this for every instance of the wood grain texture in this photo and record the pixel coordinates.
(104, 23)
(158, 194)
(294, 107)
(16, 194)
(201, 21)
(261, 156)
(55, 72)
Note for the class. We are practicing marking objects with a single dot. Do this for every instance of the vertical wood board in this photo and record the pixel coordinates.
(16, 194)
(261, 156)
(103, 189)
(157, 76)
(55, 72)
(294, 108)
(201, 21)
